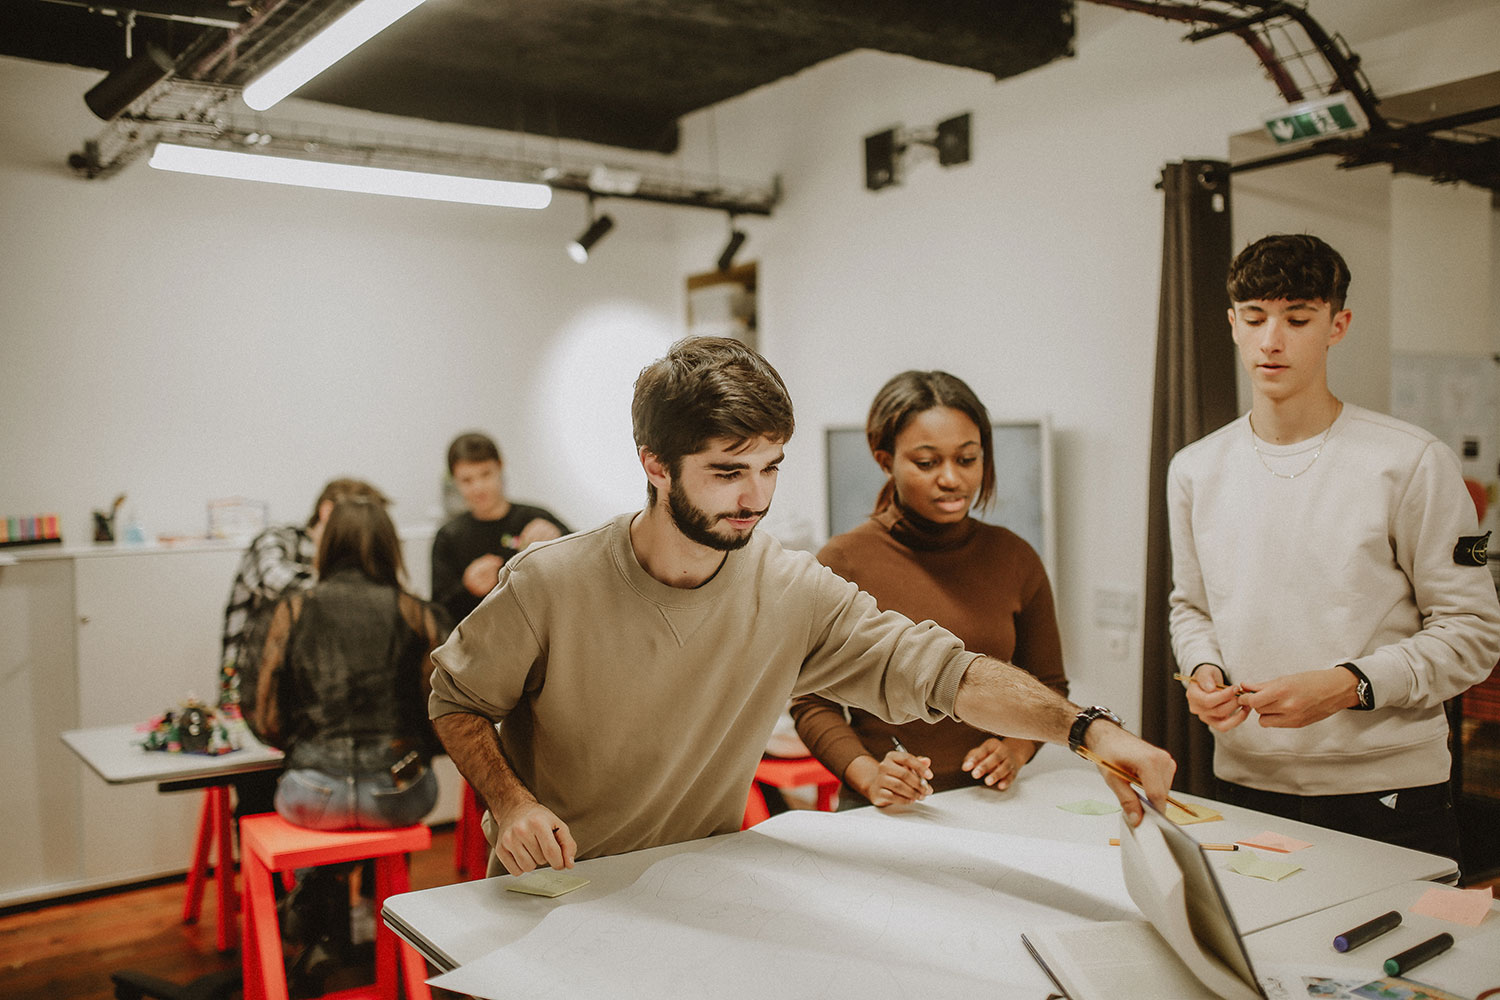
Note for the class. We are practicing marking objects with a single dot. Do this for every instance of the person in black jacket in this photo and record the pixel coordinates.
(470, 549)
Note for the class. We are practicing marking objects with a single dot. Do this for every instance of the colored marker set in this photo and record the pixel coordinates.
(38, 530)
(1399, 964)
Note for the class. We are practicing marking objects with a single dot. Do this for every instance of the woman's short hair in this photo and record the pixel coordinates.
(914, 392)
(359, 535)
(704, 389)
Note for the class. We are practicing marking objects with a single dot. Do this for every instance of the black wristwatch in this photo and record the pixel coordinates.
(1085, 719)
(1362, 689)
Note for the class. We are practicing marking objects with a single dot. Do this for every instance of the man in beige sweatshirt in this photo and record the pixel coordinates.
(639, 667)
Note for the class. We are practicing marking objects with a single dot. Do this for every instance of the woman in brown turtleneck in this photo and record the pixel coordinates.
(921, 554)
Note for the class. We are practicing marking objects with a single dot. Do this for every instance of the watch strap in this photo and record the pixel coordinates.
(1362, 689)
(1086, 718)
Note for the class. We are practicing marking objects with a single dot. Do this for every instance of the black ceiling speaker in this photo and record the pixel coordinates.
(115, 92)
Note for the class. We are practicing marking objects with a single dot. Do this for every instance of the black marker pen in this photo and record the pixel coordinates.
(1368, 931)
(1399, 965)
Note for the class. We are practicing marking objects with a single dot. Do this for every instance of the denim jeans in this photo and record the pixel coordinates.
(322, 801)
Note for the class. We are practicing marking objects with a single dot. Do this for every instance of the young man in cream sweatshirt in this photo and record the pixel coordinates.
(1329, 581)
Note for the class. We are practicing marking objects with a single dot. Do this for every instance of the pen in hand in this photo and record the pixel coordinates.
(1125, 776)
(900, 747)
(1188, 679)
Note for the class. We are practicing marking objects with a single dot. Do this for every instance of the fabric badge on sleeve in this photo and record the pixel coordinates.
(1472, 550)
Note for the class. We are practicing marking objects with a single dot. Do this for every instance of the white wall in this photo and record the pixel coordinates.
(1032, 272)
(181, 339)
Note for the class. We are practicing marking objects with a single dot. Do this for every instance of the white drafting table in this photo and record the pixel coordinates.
(116, 755)
(457, 924)
(1468, 968)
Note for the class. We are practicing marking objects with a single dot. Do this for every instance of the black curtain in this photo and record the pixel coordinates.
(1195, 394)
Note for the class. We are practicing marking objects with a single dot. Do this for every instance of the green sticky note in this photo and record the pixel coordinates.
(1091, 807)
(1257, 867)
(547, 882)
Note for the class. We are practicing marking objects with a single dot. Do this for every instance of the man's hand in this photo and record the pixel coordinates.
(1298, 700)
(531, 836)
(900, 779)
(538, 529)
(1152, 766)
(482, 574)
(998, 760)
(1215, 704)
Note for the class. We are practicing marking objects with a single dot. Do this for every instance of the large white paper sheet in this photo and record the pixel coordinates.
(827, 905)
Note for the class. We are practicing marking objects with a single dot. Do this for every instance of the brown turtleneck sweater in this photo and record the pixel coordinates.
(979, 581)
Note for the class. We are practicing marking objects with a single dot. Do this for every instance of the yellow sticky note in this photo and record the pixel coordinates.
(1200, 814)
(1256, 866)
(1268, 841)
(547, 882)
(1461, 906)
(1090, 807)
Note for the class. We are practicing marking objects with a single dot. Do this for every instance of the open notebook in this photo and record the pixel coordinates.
(1189, 950)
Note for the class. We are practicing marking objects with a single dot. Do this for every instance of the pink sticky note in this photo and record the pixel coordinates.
(1269, 841)
(1461, 906)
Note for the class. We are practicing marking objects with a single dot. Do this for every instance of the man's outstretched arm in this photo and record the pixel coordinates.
(529, 834)
(999, 698)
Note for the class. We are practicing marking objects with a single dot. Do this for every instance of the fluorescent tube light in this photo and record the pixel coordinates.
(357, 26)
(349, 177)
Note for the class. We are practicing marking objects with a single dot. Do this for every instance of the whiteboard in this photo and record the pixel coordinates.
(1023, 482)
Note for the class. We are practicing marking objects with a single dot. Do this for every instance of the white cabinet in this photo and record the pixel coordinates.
(105, 636)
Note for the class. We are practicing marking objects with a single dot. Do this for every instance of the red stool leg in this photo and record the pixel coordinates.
(218, 801)
(393, 955)
(192, 904)
(755, 807)
(260, 953)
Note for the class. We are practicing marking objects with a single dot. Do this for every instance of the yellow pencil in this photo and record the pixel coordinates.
(1124, 775)
(1187, 677)
(1115, 842)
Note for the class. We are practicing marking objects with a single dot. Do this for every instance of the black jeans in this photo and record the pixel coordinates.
(1422, 818)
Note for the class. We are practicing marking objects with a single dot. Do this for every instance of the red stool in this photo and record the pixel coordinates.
(270, 844)
(783, 772)
(215, 825)
(471, 852)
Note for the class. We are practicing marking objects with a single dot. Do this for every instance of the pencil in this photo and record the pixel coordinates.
(1124, 775)
(1115, 842)
(1185, 678)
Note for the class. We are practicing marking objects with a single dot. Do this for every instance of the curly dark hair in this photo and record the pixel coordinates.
(1289, 266)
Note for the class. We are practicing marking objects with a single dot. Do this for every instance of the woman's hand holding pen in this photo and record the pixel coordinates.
(901, 778)
(998, 760)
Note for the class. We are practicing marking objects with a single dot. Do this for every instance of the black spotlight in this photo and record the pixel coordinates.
(579, 248)
(736, 240)
(115, 92)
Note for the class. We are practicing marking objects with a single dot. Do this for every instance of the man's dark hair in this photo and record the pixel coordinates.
(472, 447)
(1289, 266)
(707, 388)
(346, 489)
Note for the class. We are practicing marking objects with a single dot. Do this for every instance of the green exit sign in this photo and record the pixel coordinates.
(1328, 116)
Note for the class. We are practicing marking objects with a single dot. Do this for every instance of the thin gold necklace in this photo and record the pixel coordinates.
(1254, 443)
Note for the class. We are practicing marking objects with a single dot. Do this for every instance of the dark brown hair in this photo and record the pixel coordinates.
(359, 535)
(346, 489)
(472, 447)
(707, 388)
(913, 392)
(1289, 266)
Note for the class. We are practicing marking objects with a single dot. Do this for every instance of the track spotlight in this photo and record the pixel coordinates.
(579, 248)
(736, 240)
(113, 94)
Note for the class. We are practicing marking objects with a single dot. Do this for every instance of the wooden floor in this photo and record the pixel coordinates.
(66, 951)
